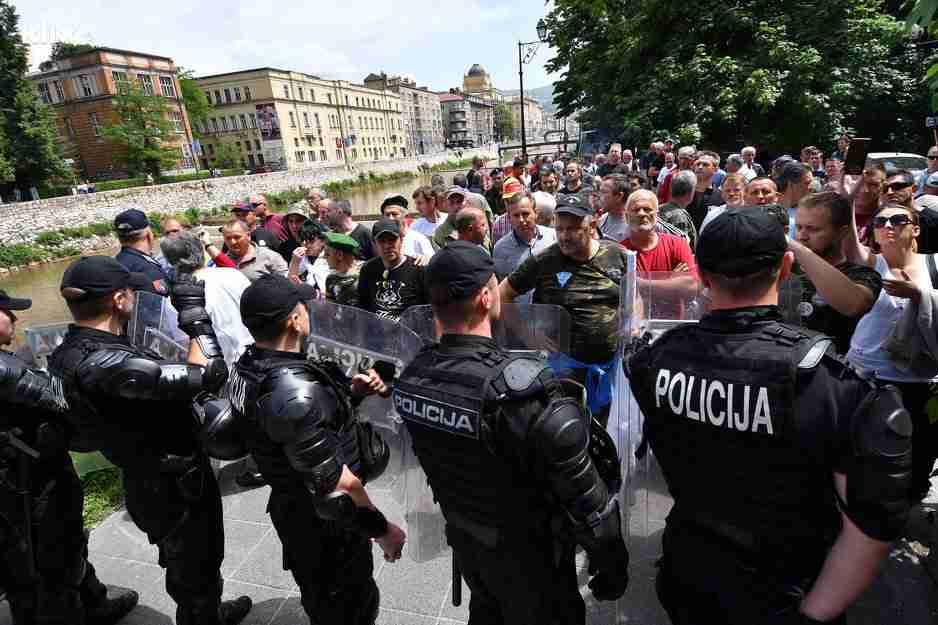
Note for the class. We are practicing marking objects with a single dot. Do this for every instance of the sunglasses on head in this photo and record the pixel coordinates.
(256, 204)
(896, 221)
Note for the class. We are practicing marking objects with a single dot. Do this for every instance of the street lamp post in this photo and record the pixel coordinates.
(525, 57)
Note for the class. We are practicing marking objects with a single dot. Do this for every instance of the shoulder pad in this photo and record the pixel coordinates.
(292, 392)
(522, 376)
(812, 351)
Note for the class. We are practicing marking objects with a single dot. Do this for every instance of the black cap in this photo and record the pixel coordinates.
(131, 220)
(386, 226)
(741, 242)
(95, 276)
(13, 303)
(462, 266)
(271, 299)
(394, 200)
(574, 204)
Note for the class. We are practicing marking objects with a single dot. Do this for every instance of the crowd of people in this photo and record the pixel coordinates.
(559, 230)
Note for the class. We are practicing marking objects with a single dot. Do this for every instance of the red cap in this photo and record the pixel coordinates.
(510, 187)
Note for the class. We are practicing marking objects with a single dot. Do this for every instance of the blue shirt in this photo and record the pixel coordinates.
(138, 262)
(510, 251)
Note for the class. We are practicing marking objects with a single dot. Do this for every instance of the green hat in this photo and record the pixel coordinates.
(342, 242)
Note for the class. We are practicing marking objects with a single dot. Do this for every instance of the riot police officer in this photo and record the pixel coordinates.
(506, 451)
(138, 411)
(43, 550)
(789, 471)
(298, 420)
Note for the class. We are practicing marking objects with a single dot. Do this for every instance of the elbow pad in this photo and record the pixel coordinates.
(879, 476)
(561, 436)
(314, 455)
(338, 507)
(126, 375)
(30, 387)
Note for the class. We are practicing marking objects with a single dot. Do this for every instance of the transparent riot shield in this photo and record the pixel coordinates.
(42, 340)
(154, 327)
(651, 304)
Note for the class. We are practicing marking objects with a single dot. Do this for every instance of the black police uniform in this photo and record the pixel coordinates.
(138, 411)
(299, 423)
(748, 418)
(51, 583)
(507, 457)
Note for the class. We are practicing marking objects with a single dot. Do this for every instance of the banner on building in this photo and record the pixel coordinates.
(268, 122)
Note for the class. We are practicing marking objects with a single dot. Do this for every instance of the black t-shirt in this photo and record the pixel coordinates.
(363, 235)
(820, 316)
(389, 293)
(701, 204)
(265, 238)
(928, 235)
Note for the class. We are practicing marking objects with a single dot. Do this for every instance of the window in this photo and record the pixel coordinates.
(211, 149)
(257, 145)
(187, 156)
(312, 156)
(244, 121)
(346, 101)
(260, 159)
(234, 123)
(316, 115)
(167, 86)
(44, 93)
(357, 103)
(95, 123)
(237, 94)
(59, 92)
(121, 81)
(300, 156)
(296, 142)
(329, 98)
(227, 96)
(238, 145)
(251, 160)
(146, 83)
(286, 92)
(292, 120)
(69, 129)
(247, 93)
(217, 96)
(247, 145)
(323, 156)
(177, 122)
(299, 91)
(84, 86)
(214, 124)
(312, 95)
(253, 120)
(360, 124)
(224, 123)
(306, 120)
(338, 155)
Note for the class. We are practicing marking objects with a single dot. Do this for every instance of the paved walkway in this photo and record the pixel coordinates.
(420, 593)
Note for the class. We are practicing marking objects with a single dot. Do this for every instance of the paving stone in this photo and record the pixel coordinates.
(119, 537)
(267, 601)
(394, 617)
(241, 539)
(148, 579)
(415, 586)
(449, 611)
(264, 567)
(247, 505)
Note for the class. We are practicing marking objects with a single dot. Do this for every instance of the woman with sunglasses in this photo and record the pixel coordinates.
(893, 253)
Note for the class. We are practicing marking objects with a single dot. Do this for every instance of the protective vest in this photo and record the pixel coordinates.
(249, 383)
(452, 414)
(719, 412)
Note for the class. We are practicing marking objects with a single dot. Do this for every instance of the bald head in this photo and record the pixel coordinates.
(471, 225)
(259, 201)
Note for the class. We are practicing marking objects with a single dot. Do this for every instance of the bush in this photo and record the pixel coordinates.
(104, 492)
(21, 254)
(50, 238)
(113, 185)
(192, 216)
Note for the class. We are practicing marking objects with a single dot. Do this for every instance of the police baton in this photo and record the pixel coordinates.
(457, 583)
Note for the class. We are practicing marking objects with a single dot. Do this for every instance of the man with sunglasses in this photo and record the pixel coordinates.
(900, 189)
(266, 219)
(930, 169)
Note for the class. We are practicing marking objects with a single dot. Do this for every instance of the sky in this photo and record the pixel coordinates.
(434, 41)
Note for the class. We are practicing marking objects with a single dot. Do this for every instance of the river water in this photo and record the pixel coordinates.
(41, 284)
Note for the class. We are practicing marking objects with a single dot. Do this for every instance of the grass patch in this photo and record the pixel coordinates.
(448, 165)
(104, 493)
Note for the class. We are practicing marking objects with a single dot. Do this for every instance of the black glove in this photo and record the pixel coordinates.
(609, 566)
(188, 298)
(214, 375)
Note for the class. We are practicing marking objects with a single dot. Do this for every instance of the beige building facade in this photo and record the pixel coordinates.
(283, 119)
(534, 118)
(423, 115)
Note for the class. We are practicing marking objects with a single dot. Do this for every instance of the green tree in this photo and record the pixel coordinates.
(30, 153)
(62, 50)
(504, 122)
(226, 156)
(779, 74)
(141, 126)
(197, 105)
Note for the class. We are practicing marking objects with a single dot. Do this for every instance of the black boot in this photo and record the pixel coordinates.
(233, 612)
(113, 608)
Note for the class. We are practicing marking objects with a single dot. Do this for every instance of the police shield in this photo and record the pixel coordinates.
(154, 327)
(651, 304)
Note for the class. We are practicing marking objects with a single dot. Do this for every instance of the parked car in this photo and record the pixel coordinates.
(915, 163)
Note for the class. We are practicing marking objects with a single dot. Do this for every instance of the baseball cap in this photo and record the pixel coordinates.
(741, 242)
(342, 242)
(932, 180)
(394, 200)
(131, 220)
(461, 266)
(13, 303)
(271, 299)
(574, 204)
(241, 207)
(455, 190)
(296, 209)
(510, 186)
(386, 226)
(95, 276)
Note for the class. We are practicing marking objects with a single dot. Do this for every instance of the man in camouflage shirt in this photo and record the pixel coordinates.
(580, 274)
(342, 282)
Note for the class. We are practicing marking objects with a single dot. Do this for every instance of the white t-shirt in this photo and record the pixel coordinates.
(223, 289)
(416, 244)
(316, 273)
(867, 348)
(425, 226)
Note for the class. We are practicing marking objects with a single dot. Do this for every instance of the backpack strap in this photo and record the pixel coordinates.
(932, 263)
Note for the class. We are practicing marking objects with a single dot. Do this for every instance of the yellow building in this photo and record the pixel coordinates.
(478, 82)
(289, 120)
